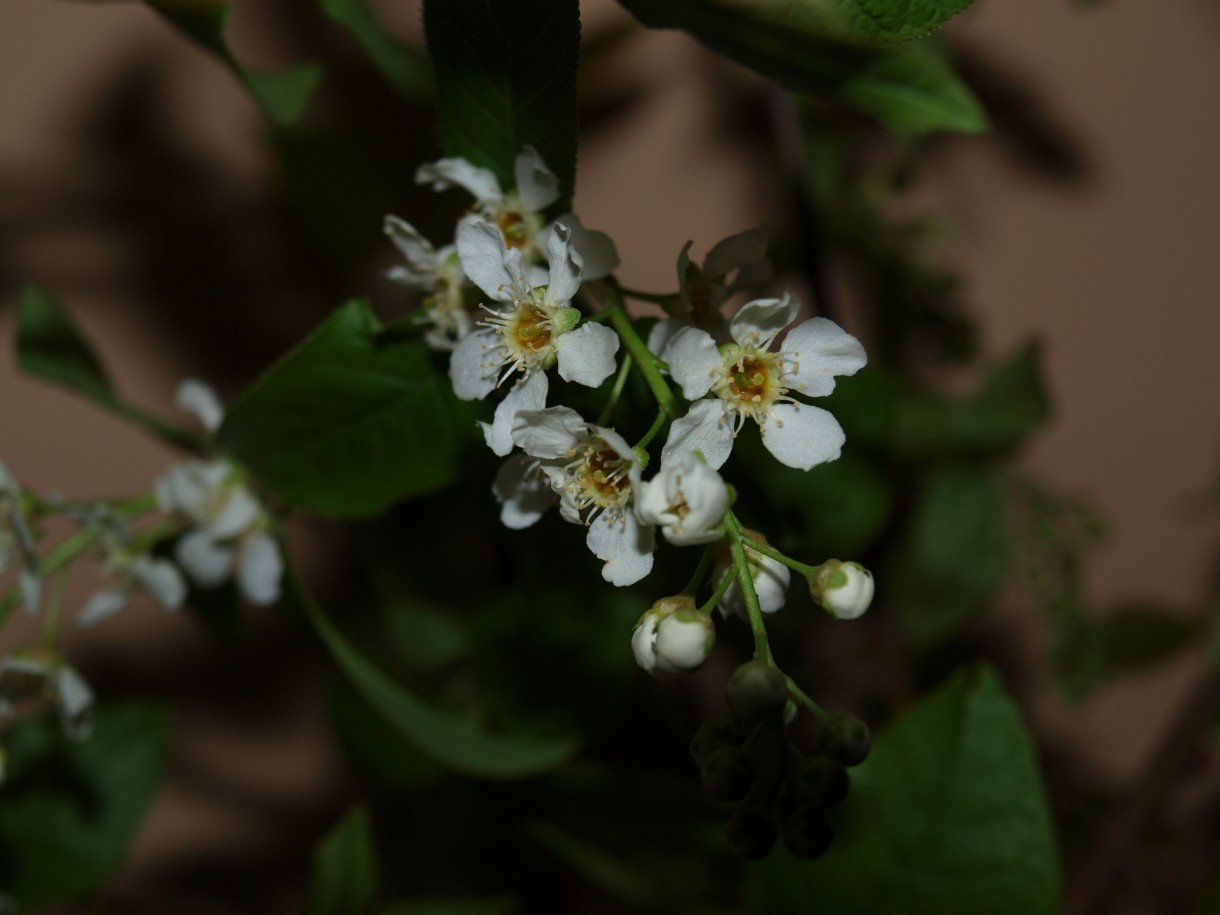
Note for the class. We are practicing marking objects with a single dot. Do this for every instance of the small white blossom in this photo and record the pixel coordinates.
(438, 273)
(686, 499)
(15, 540)
(594, 473)
(518, 213)
(198, 398)
(672, 637)
(25, 677)
(703, 289)
(770, 577)
(844, 589)
(751, 382)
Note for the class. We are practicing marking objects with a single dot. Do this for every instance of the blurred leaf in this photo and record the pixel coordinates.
(456, 741)
(345, 874)
(908, 89)
(425, 637)
(617, 877)
(69, 810)
(404, 67)
(285, 94)
(946, 815)
(954, 558)
(49, 346)
(202, 20)
(1208, 900)
(506, 78)
(343, 427)
(375, 747)
(1132, 637)
(498, 906)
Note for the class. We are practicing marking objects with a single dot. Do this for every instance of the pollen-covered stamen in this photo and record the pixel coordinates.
(751, 382)
(598, 481)
(528, 330)
(517, 226)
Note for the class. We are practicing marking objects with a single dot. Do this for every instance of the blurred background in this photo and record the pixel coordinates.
(138, 182)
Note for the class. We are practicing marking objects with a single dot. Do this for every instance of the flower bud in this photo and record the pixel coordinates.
(807, 833)
(821, 781)
(770, 578)
(672, 637)
(714, 734)
(726, 775)
(844, 589)
(845, 737)
(751, 834)
(756, 691)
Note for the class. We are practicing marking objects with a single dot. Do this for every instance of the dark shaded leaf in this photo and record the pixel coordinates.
(285, 94)
(345, 873)
(403, 66)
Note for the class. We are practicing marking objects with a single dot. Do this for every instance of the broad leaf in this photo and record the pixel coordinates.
(456, 741)
(955, 555)
(345, 873)
(345, 427)
(49, 346)
(506, 78)
(404, 67)
(946, 815)
(284, 95)
(69, 811)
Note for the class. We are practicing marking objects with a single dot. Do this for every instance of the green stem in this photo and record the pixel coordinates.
(796, 693)
(745, 580)
(725, 584)
(775, 554)
(57, 599)
(692, 586)
(646, 362)
(617, 391)
(657, 425)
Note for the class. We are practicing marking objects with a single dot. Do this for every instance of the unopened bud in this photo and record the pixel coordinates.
(673, 637)
(726, 775)
(751, 834)
(844, 589)
(756, 691)
(845, 737)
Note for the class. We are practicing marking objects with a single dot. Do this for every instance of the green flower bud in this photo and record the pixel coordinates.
(713, 734)
(845, 737)
(751, 834)
(726, 775)
(756, 691)
(843, 589)
(807, 833)
(821, 781)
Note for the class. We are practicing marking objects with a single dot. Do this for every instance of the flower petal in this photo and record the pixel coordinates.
(704, 429)
(596, 249)
(529, 394)
(662, 332)
(757, 323)
(237, 513)
(446, 173)
(693, 360)
(75, 703)
(801, 435)
(473, 374)
(197, 398)
(417, 251)
(586, 354)
(205, 561)
(624, 544)
(549, 434)
(537, 185)
(103, 605)
(259, 569)
(523, 491)
(162, 579)
(817, 350)
(566, 266)
(737, 251)
(485, 259)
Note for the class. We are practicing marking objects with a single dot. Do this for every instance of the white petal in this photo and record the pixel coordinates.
(189, 487)
(485, 258)
(586, 354)
(552, 433)
(199, 399)
(704, 429)
(689, 483)
(236, 514)
(259, 569)
(818, 350)
(529, 394)
(29, 580)
(471, 369)
(162, 579)
(802, 436)
(446, 173)
(684, 641)
(771, 583)
(75, 703)
(7, 483)
(693, 360)
(537, 185)
(103, 605)
(624, 544)
(596, 249)
(523, 491)
(206, 562)
(757, 323)
(566, 266)
(662, 332)
(416, 250)
(644, 641)
(737, 251)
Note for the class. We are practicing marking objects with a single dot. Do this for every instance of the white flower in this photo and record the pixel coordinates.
(531, 327)
(672, 637)
(198, 398)
(702, 290)
(751, 382)
(438, 273)
(15, 539)
(844, 589)
(230, 529)
(686, 499)
(594, 473)
(24, 677)
(518, 213)
(770, 577)
(160, 577)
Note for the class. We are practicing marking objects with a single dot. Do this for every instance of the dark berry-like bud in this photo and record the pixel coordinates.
(726, 775)
(846, 738)
(751, 834)
(821, 781)
(712, 735)
(807, 833)
(756, 691)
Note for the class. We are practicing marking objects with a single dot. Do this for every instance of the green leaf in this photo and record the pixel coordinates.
(955, 555)
(345, 878)
(344, 427)
(456, 741)
(49, 346)
(506, 78)
(285, 94)
(201, 20)
(1131, 638)
(946, 815)
(825, 51)
(425, 637)
(404, 67)
(69, 811)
